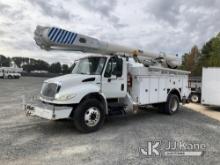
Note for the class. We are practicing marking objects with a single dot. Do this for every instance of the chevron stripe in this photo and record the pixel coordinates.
(73, 39)
(61, 36)
(58, 34)
(72, 35)
(62, 40)
(68, 40)
(67, 37)
(53, 33)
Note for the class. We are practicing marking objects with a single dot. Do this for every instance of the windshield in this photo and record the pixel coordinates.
(90, 66)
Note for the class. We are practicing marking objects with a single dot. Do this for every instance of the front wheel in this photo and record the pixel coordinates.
(89, 116)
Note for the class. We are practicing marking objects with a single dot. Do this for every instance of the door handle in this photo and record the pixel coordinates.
(122, 87)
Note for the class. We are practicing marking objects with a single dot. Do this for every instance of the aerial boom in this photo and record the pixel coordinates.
(52, 38)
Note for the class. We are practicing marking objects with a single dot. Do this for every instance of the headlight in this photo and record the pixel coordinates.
(64, 97)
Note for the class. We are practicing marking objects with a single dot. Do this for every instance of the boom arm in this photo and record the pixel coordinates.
(52, 38)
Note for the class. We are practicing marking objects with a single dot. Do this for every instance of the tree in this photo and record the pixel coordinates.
(28, 67)
(55, 68)
(41, 65)
(65, 69)
(4, 61)
(18, 61)
(30, 64)
(209, 56)
(190, 60)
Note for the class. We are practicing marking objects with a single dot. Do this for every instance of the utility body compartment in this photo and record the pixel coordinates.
(154, 84)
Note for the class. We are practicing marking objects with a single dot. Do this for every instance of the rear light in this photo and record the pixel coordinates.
(129, 82)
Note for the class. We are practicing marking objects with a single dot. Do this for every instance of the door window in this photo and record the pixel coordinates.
(114, 67)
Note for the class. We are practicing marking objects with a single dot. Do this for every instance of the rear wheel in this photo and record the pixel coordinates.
(89, 116)
(194, 98)
(172, 104)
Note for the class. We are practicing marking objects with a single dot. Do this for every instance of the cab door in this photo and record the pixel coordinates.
(114, 78)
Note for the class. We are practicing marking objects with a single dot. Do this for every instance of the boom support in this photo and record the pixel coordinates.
(52, 38)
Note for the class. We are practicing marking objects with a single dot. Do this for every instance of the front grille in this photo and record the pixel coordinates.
(49, 90)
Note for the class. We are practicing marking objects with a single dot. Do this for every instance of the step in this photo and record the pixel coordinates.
(116, 109)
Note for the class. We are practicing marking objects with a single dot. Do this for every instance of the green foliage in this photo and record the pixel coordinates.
(189, 60)
(4, 61)
(209, 56)
(65, 69)
(55, 68)
(30, 64)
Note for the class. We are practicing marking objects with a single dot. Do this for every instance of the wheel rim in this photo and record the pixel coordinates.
(173, 105)
(194, 98)
(92, 116)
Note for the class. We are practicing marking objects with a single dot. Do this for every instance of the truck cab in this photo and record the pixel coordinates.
(94, 74)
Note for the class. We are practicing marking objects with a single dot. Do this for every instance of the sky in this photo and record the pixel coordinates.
(171, 26)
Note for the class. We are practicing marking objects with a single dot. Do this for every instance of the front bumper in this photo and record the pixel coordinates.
(47, 111)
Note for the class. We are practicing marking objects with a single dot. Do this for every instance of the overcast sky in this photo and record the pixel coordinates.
(171, 26)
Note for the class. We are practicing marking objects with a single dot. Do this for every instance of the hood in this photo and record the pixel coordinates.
(68, 77)
(71, 80)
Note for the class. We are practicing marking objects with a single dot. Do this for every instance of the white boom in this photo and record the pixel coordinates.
(52, 38)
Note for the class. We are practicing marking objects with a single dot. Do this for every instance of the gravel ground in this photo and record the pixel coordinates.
(37, 141)
(210, 111)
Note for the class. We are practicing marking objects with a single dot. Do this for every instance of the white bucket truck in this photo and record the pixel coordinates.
(10, 72)
(116, 79)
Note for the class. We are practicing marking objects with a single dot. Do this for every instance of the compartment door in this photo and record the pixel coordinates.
(154, 89)
(144, 90)
(162, 90)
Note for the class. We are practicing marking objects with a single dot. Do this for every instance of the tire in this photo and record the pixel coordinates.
(194, 98)
(10, 77)
(89, 116)
(172, 104)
